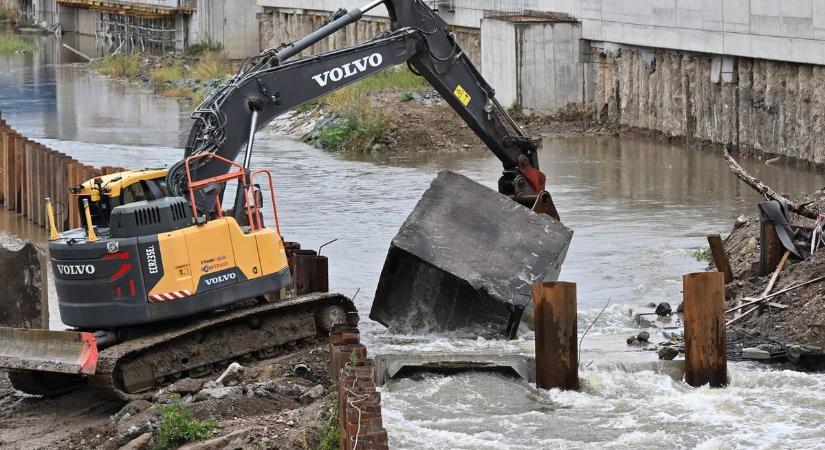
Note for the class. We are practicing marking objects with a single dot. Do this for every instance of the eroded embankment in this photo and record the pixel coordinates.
(766, 108)
(803, 321)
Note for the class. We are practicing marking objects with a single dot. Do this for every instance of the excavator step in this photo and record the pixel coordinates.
(48, 351)
(464, 261)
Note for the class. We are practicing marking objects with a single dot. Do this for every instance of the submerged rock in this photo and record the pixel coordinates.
(668, 353)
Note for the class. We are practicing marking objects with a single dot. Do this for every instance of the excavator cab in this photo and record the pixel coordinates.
(107, 192)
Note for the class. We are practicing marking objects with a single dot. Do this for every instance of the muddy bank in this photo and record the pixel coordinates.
(280, 403)
(803, 321)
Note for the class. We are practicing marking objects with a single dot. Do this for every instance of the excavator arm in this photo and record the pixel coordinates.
(271, 84)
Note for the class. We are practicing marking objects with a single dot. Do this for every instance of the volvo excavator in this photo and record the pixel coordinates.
(163, 281)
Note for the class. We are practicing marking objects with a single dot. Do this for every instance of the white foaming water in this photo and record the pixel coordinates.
(761, 408)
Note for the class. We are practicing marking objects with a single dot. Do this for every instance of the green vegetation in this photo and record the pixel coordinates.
(178, 78)
(5, 14)
(701, 255)
(119, 66)
(329, 435)
(12, 43)
(178, 425)
(201, 48)
(360, 124)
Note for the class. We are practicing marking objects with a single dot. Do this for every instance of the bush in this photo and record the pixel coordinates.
(330, 435)
(11, 43)
(119, 66)
(406, 97)
(701, 255)
(177, 426)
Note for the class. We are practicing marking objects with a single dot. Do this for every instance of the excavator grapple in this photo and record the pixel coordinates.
(464, 260)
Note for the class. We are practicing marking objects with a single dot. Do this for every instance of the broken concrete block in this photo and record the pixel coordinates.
(232, 375)
(755, 353)
(464, 260)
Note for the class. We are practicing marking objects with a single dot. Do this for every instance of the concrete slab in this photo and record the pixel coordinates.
(599, 352)
(464, 260)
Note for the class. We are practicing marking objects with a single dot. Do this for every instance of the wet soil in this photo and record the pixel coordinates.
(803, 322)
(266, 408)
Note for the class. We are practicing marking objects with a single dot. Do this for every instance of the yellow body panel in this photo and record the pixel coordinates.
(189, 254)
(246, 250)
(174, 255)
(271, 251)
(210, 248)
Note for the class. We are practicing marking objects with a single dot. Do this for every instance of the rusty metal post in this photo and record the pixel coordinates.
(303, 277)
(720, 257)
(9, 183)
(557, 357)
(770, 247)
(321, 274)
(705, 352)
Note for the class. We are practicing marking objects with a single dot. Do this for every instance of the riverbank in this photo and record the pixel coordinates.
(797, 321)
(284, 403)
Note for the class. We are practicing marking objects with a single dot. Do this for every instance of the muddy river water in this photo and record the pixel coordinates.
(638, 208)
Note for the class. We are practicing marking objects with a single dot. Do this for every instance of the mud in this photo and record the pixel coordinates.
(267, 408)
(803, 322)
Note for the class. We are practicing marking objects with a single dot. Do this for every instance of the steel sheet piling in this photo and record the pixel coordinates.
(557, 358)
(705, 350)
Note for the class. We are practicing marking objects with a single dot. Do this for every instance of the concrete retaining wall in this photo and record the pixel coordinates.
(765, 107)
(9, 5)
(231, 24)
(531, 64)
(281, 25)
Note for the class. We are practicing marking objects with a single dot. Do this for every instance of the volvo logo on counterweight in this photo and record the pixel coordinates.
(75, 269)
(347, 70)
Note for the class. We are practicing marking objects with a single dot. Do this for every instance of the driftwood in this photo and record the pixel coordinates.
(766, 190)
(775, 294)
(766, 292)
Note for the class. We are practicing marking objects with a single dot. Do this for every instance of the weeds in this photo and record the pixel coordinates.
(330, 435)
(11, 43)
(201, 48)
(5, 14)
(701, 255)
(177, 426)
(359, 127)
(119, 66)
(406, 97)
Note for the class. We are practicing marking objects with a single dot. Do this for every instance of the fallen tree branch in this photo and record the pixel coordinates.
(775, 294)
(766, 190)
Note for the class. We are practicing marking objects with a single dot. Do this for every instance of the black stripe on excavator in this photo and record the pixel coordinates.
(220, 279)
(150, 261)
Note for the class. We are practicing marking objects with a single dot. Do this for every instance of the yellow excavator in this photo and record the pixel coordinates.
(163, 281)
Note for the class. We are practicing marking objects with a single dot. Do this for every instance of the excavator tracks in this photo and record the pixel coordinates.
(134, 369)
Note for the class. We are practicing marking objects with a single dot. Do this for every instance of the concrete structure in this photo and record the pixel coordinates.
(153, 25)
(285, 21)
(533, 61)
(598, 352)
(231, 24)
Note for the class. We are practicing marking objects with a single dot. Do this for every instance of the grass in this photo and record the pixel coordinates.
(177, 426)
(361, 124)
(701, 255)
(330, 435)
(119, 66)
(11, 43)
(166, 79)
(5, 14)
